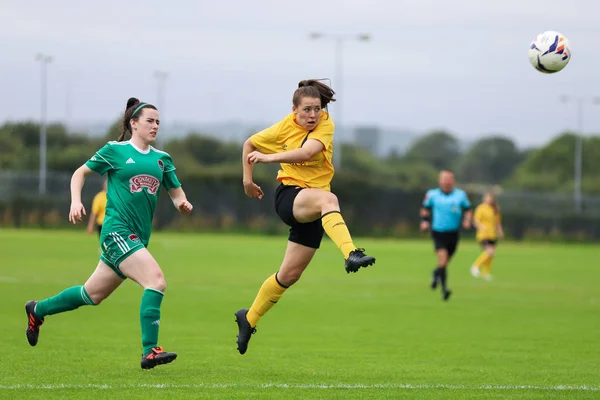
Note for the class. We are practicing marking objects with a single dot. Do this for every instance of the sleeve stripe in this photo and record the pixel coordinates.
(170, 170)
(105, 160)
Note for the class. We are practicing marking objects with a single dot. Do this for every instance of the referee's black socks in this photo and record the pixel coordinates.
(442, 275)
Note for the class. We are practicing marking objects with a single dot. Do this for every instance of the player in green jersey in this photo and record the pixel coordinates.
(135, 172)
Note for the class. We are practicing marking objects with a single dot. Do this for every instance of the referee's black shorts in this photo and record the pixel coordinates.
(446, 240)
(307, 234)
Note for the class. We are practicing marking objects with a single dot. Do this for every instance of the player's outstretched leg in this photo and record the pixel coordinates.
(245, 330)
(335, 227)
(67, 300)
(33, 323)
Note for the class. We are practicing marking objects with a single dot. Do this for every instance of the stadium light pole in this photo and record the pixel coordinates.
(161, 79)
(578, 156)
(44, 60)
(339, 41)
(69, 77)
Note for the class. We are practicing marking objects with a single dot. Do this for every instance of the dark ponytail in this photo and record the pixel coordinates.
(313, 88)
(133, 106)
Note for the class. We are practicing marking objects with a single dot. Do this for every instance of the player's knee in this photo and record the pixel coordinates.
(157, 281)
(491, 250)
(97, 298)
(289, 276)
(330, 201)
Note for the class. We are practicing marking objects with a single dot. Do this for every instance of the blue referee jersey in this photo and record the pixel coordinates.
(446, 209)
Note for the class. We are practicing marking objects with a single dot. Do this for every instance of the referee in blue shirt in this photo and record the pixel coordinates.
(444, 211)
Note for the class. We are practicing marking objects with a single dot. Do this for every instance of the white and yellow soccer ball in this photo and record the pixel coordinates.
(549, 52)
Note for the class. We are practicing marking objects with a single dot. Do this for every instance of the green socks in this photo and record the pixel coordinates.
(76, 296)
(67, 300)
(150, 318)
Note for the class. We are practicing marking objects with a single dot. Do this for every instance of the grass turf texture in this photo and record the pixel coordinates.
(532, 332)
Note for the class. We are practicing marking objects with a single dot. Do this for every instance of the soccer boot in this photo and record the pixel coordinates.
(446, 294)
(357, 259)
(33, 323)
(157, 356)
(245, 330)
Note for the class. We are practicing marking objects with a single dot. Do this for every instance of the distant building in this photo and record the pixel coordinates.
(368, 138)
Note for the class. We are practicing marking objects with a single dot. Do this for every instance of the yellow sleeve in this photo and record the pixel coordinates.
(324, 131)
(266, 140)
(499, 217)
(97, 204)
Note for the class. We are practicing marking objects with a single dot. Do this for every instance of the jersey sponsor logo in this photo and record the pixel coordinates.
(134, 238)
(311, 163)
(138, 182)
(161, 165)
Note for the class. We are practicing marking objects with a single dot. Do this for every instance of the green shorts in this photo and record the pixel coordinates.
(117, 246)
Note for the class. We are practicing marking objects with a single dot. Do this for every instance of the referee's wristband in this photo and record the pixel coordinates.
(425, 219)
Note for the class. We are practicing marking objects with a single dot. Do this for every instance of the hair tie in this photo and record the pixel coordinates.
(137, 109)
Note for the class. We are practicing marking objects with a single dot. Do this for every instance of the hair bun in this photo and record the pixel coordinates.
(132, 102)
(303, 83)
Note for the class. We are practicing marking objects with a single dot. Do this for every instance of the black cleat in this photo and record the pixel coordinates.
(245, 330)
(33, 323)
(446, 294)
(157, 357)
(357, 259)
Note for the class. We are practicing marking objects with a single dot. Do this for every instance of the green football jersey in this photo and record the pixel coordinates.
(134, 180)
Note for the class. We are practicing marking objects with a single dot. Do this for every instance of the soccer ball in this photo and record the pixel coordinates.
(549, 52)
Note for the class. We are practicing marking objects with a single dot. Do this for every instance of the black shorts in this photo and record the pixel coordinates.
(446, 240)
(487, 242)
(307, 234)
(99, 229)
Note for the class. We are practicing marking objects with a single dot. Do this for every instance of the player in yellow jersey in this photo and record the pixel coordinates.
(98, 211)
(302, 143)
(488, 222)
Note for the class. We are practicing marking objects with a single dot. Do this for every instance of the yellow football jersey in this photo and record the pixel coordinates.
(287, 135)
(489, 219)
(99, 207)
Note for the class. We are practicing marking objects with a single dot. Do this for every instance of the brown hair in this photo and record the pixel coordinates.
(132, 105)
(313, 88)
(494, 203)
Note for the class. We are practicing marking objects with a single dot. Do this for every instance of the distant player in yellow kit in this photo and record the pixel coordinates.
(488, 223)
(98, 211)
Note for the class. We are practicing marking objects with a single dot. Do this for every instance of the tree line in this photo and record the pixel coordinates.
(491, 160)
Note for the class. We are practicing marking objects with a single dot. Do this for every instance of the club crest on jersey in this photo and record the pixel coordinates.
(134, 238)
(138, 182)
(161, 165)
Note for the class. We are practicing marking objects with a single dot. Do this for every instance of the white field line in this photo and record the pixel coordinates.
(407, 386)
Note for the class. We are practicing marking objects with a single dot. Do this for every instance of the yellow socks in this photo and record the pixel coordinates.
(336, 229)
(487, 266)
(482, 259)
(270, 292)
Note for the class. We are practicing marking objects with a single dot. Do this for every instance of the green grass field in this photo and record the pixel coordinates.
(532, 332)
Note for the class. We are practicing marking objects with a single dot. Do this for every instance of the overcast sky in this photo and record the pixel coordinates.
(460, 65)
